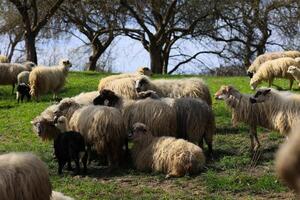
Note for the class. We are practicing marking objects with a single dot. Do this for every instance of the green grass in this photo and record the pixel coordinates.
(229, 176)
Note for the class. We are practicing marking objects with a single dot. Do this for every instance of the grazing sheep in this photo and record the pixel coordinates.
(269, 56)
(68, 146)
(287, 160)
(23, 176)
(23, 77)
(48, 79)
(274, 69)
(295, 72)
(189, 87)
(3, 59)
(10, 71)
(284, 107)
(174, 157)
(59, 196)
(22, 91)
(244, 111)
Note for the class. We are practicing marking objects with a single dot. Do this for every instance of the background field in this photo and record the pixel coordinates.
(230, 176)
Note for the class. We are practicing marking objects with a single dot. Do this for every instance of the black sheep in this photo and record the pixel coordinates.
(107, 98)
(23, 90)
(70, 146)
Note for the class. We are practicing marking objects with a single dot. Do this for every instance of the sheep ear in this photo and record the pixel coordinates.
(266, 91)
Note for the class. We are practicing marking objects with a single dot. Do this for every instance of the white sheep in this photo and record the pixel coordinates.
(274, 69)
(10, 71)
(244, 111)
(43, 124)
(3, 59)
(188, 87)
(23, 176)
(105, 82)
(295, 72)
(174, 157)
(48, 79)
(269, 56)
(23, 77)
(287, 161)
(101, 126)
(283, 107)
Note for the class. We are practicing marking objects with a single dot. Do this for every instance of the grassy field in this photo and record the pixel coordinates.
(231, 175)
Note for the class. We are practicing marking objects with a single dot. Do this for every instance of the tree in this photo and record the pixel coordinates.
(97, 20)
(35, 14)
(162, 23)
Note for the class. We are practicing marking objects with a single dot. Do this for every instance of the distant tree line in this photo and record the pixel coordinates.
(236, 30)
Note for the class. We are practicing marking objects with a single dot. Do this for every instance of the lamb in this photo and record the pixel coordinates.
(189, 87)
(23, 176)
(186, 118)
(68, 146)
(287, 161)
(43, 124)
(284, 107)
(244, 111)
(174, 157)
(106, 82)
(22, 91)
(269, 56)
(45, 79)
(295, 72)
(3, 59)
(102, 128)
(272, 69)
(10, 71)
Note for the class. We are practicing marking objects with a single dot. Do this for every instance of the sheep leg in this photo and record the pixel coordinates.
(253, 136)
(22, 97)
(84, 162)
(291, 83)
(69, 166)
(89, 152)
(208, 137)
(61, 164)
(77, 170)
(270, 82)
(13, 88)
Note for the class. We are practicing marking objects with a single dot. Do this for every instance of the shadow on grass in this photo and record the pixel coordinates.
(231, 130)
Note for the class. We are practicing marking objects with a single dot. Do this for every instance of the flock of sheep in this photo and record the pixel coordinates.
(167, 121)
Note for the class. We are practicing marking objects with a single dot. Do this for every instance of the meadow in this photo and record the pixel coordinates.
(231, 175)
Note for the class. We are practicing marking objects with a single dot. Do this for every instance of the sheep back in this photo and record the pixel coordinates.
(158, 115)
(23, 176)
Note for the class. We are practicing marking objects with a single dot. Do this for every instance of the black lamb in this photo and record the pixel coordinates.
(23, 90)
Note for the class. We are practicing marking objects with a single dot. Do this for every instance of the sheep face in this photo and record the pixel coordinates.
(224, 92)
(61, 123)
(29, 64)
(250, 74)
(254, 83)
(292, 70)
(64, 106)
(107, 98)
(66, 63)
(44, 128)
(138, 131)
(141, 85)
(148, 94)
(145, 71)
(260, 96)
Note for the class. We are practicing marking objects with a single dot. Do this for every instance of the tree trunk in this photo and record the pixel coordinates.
(30, 47)
(93, 59)
(156, 60)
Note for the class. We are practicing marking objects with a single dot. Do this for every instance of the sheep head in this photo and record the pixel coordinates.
(62, 123)
(261, 95)
(66, 63)
(138, 130)
(142, 84)
(106, 98)
(254, 83)
(292, 70)
(45, 128)
(224, 92)
(66, 107)
(148, 94)
(144, 71)
(29, 65)
(250, 73)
